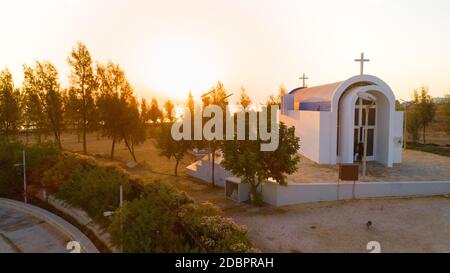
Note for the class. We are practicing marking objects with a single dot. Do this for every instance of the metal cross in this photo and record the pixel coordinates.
(362, 60)
(304, 78)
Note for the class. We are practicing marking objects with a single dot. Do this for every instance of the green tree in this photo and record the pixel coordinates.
(413, 123)
(114, 95)
(150, 222)
(244, 99)
(132, 126)
(171, 148)
(82, 80)
(216, 96)
(144, 110)
(168, 111)
(276, 99)
(425, 107)
(154, 113)
(245, 159)
(10, 114)
(34, 116)
(42, 84)
(447, 112)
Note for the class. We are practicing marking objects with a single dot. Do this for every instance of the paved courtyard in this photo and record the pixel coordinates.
(24, 233)
(416, 166)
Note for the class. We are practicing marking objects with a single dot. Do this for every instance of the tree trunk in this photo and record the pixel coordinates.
(256, 201)
(113, 145)
(176, 167)
(130, 149)
(6, 134)
(84, 139)
(57, 139)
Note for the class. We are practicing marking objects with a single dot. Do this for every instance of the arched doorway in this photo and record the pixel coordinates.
(365, 121)
(365, 128)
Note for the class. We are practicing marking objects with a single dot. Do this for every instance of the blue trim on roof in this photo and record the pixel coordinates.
(323, 106)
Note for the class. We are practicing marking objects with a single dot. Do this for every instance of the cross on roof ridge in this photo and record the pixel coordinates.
(362, 61)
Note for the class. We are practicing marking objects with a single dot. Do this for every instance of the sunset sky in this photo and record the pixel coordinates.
(170, 47)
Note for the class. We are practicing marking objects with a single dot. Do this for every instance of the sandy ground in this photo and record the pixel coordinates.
(416, 166)
(400, 225)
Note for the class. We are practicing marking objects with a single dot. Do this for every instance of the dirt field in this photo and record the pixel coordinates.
(400, 225)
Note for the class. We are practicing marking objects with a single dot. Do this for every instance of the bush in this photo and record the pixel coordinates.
(216, 233)
(38, 158)
(149, 223)
(67, 166)
(95, 189)
(11, 177)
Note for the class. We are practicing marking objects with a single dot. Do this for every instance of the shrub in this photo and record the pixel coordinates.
(148, 226)
(38, 158)
(11, 177)
(96, 190)
(67, 166)
(215, 232)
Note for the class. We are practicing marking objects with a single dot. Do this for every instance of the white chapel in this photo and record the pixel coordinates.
(339, 122)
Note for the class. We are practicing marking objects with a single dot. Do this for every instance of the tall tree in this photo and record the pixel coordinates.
(144, 110)
(34, 116)
(169, 147)
(10, 114)
(82, 80)
(42, 83)
(216, 96)
(447, 112)
(413, 123)
(154, 113)
(245, 159)
(132, 126)
(168, 111)
(244, 99)
(114, 95)
(276, 99)
(425, 107)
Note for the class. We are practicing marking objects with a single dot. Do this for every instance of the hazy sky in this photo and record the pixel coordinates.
(171, 47)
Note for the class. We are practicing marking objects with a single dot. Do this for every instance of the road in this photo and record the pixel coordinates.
(23, 233)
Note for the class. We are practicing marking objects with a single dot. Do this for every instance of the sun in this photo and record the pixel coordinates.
(175, 66)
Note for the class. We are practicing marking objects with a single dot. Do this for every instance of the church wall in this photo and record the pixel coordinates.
(314, 130)
(383, 127)
(326, 141)
(398, 135)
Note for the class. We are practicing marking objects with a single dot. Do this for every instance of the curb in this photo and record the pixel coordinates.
(60, 224)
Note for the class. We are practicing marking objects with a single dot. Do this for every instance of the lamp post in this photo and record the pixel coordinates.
(24, 165)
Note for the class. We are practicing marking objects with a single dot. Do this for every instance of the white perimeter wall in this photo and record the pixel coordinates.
(277, 195)
(314, 130)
